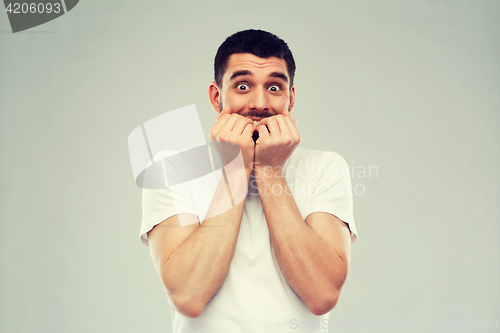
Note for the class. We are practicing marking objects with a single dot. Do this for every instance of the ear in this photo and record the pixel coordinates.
(292, 98)
(214, 96)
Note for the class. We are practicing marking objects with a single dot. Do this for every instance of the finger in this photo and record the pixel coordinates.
(272, 125)
(222, 118)
(226, 110)
(214, 132)
(241, 125)
(248, 130)
(293, 129)
(289, 134)
(229, 122)
(292, 123)
(287, 115)
(284, 126)
(263, 131)
(229, 125)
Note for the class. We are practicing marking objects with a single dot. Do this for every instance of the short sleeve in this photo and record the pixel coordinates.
(332, 192)
(175, 194)
(158, 205)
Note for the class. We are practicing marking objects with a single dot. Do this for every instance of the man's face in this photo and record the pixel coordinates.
(254, 87)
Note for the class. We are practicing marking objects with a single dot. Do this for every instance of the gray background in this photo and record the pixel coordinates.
(411, 87)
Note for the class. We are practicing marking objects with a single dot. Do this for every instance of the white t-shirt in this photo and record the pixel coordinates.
(255, 296)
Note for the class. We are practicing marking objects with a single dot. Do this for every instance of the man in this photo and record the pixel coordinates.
(278, 259)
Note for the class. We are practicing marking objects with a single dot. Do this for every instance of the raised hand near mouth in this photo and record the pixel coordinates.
(234, 128)
(278, 138)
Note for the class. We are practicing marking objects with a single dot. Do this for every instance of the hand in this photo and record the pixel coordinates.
(236, 129)
(278, 138)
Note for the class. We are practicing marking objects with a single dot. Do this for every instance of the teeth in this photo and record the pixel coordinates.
(255, 122)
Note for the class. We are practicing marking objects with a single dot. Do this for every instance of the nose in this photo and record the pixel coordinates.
(258, 101)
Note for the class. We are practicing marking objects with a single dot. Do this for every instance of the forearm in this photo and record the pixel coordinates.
(312, 268)
(196, 269)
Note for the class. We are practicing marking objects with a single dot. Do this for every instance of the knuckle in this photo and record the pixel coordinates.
(222, 137)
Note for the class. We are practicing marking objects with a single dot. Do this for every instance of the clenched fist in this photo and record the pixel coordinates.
(236, 129)
(278, 138)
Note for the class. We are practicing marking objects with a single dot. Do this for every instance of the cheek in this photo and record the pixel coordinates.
(235, 102)
(281, 103)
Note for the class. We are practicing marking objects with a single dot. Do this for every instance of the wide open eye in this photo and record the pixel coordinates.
(242, 86)
(274, 88)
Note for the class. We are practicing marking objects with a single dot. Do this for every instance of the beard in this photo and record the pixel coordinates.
(252, 114)
(255, 134)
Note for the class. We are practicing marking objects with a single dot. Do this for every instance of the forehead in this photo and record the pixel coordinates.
(254, 64)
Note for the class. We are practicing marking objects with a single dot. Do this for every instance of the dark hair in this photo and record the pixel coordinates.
(261, 43)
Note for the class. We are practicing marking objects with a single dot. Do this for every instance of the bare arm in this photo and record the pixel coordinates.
(313, 255)
(193, 261)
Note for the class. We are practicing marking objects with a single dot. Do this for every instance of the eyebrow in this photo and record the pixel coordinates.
(279, 75)
(245, 72)
(240, 73)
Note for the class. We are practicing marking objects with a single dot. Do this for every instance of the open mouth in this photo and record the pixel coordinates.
(255, 119)
(255, 136)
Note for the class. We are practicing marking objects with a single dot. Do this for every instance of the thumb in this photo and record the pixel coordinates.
(286, 113)
(226, 110)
